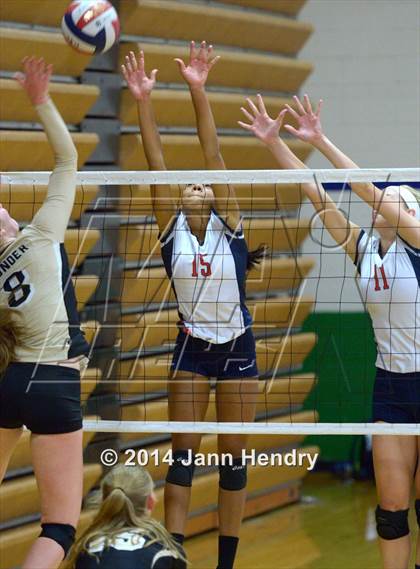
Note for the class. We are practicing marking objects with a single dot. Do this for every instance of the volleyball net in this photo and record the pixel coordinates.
(130, 315)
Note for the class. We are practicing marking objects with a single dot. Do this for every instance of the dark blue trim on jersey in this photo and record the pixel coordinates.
(98, 41)
(337, 186)
(415, 249)
(78, 345)
(239, 251)
(356, 257)
(236, 232)
(415, 261)
(163, 236)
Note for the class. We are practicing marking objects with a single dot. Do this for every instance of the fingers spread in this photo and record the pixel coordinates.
(192, 51)
(245, 125)
(307, 102)
(247, 114)
(253, 107)
(261, 105)
(202, 54)
(280, 117)
(318, 111)
(292, 111)
(180, 63)
(299, 105)
(133, 61)
(214, 60)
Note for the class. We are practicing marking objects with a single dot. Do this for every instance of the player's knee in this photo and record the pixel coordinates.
(391, 525)
(233, 476)
(63, 534)
(181, 471)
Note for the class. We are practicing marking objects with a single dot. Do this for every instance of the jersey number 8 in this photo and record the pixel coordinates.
(20, 291)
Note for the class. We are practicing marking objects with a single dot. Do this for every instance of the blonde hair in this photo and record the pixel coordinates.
(415, 192)
(122, 501)
(9, 337)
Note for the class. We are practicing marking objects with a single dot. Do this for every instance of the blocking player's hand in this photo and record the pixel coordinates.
(134, 73)
(35, 79)
(199, 66)
(309, 127)
(260, 123)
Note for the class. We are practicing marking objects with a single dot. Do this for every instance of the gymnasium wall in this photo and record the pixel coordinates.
(366, 56)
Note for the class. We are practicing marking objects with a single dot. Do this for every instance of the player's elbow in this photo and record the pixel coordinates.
(68, 159)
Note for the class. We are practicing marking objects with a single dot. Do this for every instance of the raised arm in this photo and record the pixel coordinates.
(195, 74)
(53, 216)
(141, 87)
(267, 129)
(309, 130)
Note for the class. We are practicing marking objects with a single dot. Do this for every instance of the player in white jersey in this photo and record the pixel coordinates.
(123, 533)
(206, 259)
(42, 347)
(388, 274)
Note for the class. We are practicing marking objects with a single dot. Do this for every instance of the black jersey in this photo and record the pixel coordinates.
(129, 550)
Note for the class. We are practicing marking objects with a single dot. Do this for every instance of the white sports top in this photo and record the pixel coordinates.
(390, 290)
(208, 278)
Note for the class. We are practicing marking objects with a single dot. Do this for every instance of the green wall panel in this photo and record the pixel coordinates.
(344, 361)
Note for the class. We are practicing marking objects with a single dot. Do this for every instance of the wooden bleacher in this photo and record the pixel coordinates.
(173, 108)
(23, 202)
(15, 143)
(15, 44)
(182, 152)
(290, 7)
(63, 95)
(247, 30)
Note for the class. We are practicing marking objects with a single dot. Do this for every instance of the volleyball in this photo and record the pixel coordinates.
(91, 26)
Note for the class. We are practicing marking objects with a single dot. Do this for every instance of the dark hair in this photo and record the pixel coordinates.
(9, 336)
(256, 256)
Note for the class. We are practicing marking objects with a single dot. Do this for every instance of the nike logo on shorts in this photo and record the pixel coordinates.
(246, 367)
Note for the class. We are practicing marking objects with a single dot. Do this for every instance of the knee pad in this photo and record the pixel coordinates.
(391, 525)
(63, 534)
(417, 508)
(181, 472)
(233, 477)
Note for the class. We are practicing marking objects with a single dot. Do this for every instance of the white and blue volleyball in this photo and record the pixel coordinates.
(91, 26)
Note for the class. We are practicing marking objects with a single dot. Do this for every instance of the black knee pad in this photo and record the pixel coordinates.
(63, 534)
(233, 477)
(417, 508)
(391, 525)
(179, 473)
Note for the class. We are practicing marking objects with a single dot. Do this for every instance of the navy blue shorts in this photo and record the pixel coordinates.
(44, 398)
(232, 360)
(396, 397)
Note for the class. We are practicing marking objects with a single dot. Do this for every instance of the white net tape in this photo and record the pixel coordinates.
(261, 428)
(222, 176)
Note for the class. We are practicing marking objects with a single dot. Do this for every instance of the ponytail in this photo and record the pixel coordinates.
(122, 502)
(9, 337)
(255, 257)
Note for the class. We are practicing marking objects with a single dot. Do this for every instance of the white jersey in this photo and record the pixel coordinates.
(208, 278)
(389, 286)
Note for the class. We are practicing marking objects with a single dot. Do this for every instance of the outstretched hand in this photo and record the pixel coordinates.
(199, 66)
(35, 79)
(134, 73)
(309, 122)
(262, 125)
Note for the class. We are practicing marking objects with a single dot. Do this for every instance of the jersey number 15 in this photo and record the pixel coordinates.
(205, 267)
